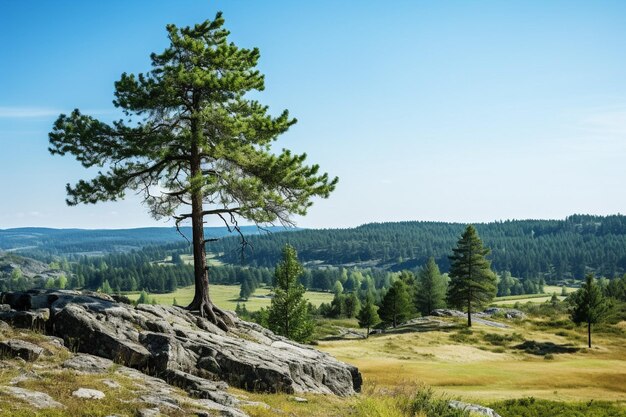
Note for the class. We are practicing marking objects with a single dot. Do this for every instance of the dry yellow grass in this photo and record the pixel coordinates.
(485, 372)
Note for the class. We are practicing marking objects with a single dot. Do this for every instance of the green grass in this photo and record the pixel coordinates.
(226, 296)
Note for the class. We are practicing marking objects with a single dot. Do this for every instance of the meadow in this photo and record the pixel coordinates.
(227, 297)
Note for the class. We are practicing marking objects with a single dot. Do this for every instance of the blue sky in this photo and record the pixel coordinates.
(426, 110)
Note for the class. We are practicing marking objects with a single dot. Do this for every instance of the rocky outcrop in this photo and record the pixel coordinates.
(16, 348)
(172, 344)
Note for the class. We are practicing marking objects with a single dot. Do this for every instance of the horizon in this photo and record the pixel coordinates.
(444, 112)
(310, 228)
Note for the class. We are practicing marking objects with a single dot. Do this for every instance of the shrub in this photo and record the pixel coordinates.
(531, 407)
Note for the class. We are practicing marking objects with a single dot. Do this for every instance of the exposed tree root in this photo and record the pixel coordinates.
(211, 312)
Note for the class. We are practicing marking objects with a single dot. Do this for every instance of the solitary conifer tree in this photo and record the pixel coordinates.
(589, 305)
(472, 282)
(288, 314)
(192, 137)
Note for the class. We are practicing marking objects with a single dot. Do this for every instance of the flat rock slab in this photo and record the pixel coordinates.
(35, 398)
(92, 394)
(88, 363)
(16, 348)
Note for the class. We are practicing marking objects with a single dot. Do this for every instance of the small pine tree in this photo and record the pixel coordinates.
(246, 291)
(106, 287)
(368, 315)
(352, 305)
(472, 282)
(337, 288)
(143, 298)
(431, 288)
(395, 306)
(288, 314)
(588, 305)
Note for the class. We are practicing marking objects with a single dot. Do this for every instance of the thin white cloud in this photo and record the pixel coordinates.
(26, 112)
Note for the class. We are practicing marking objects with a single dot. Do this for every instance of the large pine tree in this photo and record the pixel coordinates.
(588, 305)
(288, 314)
(192, 137)
(472, 282)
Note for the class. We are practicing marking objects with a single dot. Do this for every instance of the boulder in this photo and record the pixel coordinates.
(16, 348)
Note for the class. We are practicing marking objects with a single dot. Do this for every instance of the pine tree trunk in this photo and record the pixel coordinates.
(469, 314)
(589, 333)
(201, 301)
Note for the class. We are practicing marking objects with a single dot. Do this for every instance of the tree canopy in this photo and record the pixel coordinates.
(191, 137)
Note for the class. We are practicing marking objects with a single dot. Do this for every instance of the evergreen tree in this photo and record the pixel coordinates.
(472, 282)
(431, 288)
(395, 306)
(106, 287)
(352, 305)
(191, 131)
(245, 291)
(368, 315)
(588, 305)
(288, 313)
(143, 298)
(337, 288)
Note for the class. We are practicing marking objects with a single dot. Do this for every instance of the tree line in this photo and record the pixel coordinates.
(554, 250)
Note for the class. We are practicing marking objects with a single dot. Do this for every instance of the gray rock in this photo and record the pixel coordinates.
(88, 363)
(111, 384)
(88, 393)
(473, 408)
(16, 348)
(188, 351)
(202, 388)
(248, 357)
(24, 376)
(25, 319)
(300, 399)
(508, 313)
(5, 308)
(149, 412)
(444, 312)
(35, 398)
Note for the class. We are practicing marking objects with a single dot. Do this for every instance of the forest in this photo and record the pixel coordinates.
(553, 249)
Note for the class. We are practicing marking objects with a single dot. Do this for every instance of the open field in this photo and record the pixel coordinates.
(465, 365)
(226, 296)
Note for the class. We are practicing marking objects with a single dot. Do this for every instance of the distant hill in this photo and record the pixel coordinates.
(99, 241)
(555, 249)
